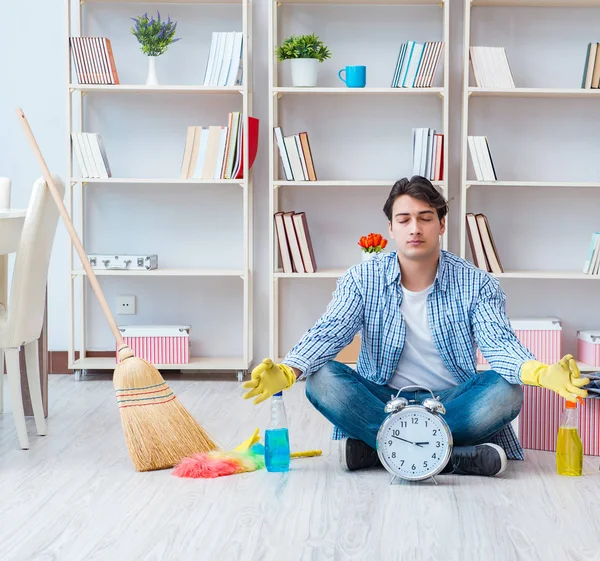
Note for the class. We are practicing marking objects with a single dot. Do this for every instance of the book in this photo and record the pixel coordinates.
(296, 156)
(417, 64)
(89, 151)
(217, 151)
(490, 67)
(483, 248)
(481, 158)
(294, 241)
(428, 153)
(93, 60)
(224, 66)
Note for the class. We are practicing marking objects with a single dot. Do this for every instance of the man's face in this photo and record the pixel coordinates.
(416, 228)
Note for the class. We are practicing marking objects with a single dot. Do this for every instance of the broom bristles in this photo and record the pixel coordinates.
(159, 430)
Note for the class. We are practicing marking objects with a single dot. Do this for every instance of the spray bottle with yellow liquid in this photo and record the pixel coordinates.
(569, 449)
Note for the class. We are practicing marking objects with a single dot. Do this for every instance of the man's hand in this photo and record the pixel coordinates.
(562, 377)
(268, 379)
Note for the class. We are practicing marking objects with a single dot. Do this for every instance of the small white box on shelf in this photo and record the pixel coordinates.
(588, 347)
(158, 344)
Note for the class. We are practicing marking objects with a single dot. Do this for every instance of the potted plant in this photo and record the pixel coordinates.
(154, 36)
(305, 53)
(371, 245)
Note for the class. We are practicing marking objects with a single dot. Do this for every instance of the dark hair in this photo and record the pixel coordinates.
(419, 188)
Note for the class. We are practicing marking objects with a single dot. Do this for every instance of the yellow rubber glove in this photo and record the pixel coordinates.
(562, 377)
(268, 379)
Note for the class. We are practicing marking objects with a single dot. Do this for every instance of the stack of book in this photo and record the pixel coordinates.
(216, 152)
(295, 247)
(225, 62)
(483, 248)
(491, 68)
(90, 153)
(591, 70)
(93, 60)
(592, 263)
(428, 154)
(295, 155)
(481, 157)
(417, 64)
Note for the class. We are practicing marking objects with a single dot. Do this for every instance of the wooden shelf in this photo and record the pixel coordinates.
(550, 275)
(359, 91)
(343, 183)
(195, 363)
(539, 3)
(159, 181)
(165, 273)
(368, 2)
(140, 88)
(565, 184)
(533, 92)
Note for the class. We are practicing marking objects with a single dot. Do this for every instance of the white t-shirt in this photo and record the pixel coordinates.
(420, 363)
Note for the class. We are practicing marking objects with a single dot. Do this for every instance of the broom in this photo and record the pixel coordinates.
(159, 431)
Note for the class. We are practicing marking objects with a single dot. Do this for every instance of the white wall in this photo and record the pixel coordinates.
(362, 137)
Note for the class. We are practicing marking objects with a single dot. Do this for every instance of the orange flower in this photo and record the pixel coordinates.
(372, 243)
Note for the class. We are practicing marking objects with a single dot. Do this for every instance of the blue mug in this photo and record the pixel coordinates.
(356, 76)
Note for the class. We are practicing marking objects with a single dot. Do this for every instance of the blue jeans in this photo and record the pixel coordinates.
(475, 409)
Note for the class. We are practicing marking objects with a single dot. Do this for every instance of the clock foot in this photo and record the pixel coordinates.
(392, 479)
(433, 479)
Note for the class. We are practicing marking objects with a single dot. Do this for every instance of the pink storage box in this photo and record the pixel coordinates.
(540, 417)
(158, 344)
(542, 336)
(588, 347)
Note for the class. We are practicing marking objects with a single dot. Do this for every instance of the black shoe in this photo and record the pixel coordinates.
(482, 459)
(355, 454)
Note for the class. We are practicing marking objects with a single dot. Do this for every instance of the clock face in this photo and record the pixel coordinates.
(414, 443)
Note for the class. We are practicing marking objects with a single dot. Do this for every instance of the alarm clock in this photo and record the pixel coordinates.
(414, 442)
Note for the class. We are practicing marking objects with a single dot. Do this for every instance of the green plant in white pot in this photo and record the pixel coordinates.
(305, 53)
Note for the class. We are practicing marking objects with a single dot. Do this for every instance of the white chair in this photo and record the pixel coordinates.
(21, 324)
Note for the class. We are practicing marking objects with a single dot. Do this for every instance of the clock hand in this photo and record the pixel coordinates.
(421, 443)
(403, 439)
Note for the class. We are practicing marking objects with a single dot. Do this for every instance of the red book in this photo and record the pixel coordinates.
(253, 145)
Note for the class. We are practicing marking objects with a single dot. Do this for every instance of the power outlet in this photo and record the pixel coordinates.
(125, 305)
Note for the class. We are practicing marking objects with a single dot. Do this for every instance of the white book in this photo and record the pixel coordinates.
(475, 158)
(430, 153)
(201, 157)
(237, 59)
(226, 61)
(283, 155)
(410, 48)
(104, 154)
(417, 147)
(89, 157)
(221, 154)
(78, 153)
(211, 59)
(484, 158)
(424, 152)
(215, 64)
(292, 151)
(97, 155)
(413, 66)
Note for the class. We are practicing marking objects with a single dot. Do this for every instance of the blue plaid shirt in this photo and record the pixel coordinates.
(466, 310)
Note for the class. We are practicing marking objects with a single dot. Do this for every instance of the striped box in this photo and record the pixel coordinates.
(542, 336)
(158, 344)
(540, 417)
(588, 347)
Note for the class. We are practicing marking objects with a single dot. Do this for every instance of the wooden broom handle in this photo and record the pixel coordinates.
(72, 232)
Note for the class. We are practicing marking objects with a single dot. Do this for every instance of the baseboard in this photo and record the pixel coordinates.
(58, 361)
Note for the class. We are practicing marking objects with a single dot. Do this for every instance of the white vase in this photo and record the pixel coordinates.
(152, 79)
(304, 72)
(367, 256)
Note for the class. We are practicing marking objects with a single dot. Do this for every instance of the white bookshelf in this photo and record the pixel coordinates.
(368, 95)
(76, 122)
(467, 184)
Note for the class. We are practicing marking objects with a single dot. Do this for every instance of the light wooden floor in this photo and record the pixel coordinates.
(74, 495)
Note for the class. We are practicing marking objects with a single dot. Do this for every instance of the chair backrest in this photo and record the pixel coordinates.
(30, 274)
